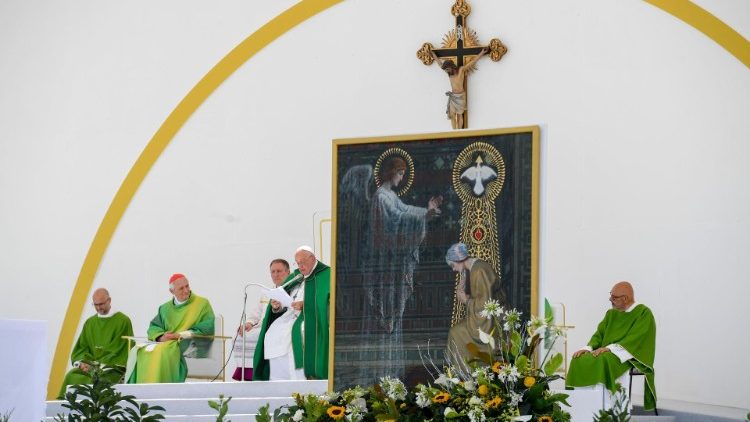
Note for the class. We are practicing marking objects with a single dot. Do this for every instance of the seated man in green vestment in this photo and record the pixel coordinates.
(100, 343)
(309, 330)
(178, 325)
(477, 284)
(625, 339)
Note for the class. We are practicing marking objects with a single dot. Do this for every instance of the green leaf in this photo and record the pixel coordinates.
(263, 415)
(515, 343)
(553, 364)
(560, 398)
(522, 363)
(452, 415)
(547, 310)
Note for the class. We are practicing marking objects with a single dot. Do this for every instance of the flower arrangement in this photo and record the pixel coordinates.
(500, 383)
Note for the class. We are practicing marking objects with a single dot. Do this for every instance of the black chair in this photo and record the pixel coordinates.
(634, 372)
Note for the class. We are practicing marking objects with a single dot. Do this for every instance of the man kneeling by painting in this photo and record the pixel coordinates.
(477, 282)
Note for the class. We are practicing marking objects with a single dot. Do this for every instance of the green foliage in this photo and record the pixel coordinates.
(222, 406)
(98, 401)
(619, 411)
(263, 415)
(5, 417)
(522, 363)
(515, 343)
(553, 364)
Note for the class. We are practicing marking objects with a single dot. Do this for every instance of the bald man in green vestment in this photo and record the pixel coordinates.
(173, 329)
(625, 339)
(100, 343)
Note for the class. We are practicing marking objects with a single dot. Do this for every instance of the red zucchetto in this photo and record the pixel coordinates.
(175, 276)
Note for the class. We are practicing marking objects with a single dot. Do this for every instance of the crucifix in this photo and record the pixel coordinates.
(458, 55)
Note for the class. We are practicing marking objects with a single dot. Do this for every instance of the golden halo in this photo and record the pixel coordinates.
(465, 159)
(409, 164)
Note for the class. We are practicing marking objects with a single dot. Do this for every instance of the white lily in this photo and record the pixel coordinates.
(446, 381)
(422, 400)
(486, 338)
(298, 415)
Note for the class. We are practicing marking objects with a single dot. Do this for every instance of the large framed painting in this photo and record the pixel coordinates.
(399, 203)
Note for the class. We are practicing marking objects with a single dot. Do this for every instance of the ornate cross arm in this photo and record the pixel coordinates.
(496, 51)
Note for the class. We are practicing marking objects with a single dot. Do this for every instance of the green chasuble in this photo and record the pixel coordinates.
(100, 341)
(166, 363)
(635, 331)
(310, 352)
(482, 280)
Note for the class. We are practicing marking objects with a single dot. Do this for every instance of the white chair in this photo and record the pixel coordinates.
(208, 365)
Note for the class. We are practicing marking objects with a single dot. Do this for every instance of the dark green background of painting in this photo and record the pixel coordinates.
(427, 316)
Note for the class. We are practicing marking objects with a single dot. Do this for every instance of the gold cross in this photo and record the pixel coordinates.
(457, 56)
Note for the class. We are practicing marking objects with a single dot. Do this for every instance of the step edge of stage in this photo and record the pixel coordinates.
(693, 408)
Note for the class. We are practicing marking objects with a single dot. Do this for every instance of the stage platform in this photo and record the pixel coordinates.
(684, 411)
(188, 402)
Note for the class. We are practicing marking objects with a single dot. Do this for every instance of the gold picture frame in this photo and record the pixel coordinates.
(399, 202)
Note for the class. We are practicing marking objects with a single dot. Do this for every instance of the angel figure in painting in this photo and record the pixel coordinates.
(397, 231)
(392, 233)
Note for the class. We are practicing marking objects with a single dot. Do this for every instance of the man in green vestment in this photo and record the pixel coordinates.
(178, 324)
(100, 343)
(625, 339)
(310, 329)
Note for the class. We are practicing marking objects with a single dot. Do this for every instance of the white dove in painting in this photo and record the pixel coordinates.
(479, 174)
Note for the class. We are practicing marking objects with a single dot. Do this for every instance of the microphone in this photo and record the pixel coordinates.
(296, 277)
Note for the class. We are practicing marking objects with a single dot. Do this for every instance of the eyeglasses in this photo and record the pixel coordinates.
(611, 296)
(101, 304)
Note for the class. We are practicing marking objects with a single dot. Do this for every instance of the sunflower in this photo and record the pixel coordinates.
(495, 402)
(441, 398)
(529, 382)
(336, 412)
(496, 367)
(545, 419)
(483, 390)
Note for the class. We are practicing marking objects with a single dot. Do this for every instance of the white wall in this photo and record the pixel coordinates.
(644, 139)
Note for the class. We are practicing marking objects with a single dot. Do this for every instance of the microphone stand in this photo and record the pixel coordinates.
(242, 332)
(242, 329)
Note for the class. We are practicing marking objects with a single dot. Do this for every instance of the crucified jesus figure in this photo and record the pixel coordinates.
(457, 94)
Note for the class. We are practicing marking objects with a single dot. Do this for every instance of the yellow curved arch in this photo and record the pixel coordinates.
(684, 10)
(212, 80)
(709, 25)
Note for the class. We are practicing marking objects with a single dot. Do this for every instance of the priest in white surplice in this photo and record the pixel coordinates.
(247, 339)
(277, 350)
